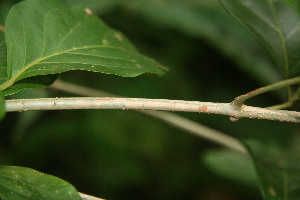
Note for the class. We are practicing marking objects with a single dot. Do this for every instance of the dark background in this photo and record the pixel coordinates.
(125, 155)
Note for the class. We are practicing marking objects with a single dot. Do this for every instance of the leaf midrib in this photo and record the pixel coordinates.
(12, 80)
(278, 29)
(261, 18)
(281, 36)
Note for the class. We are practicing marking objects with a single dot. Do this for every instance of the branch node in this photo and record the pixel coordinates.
(238, 103)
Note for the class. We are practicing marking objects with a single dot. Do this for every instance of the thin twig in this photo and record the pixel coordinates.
(198, 130)
(81, 103)
(290, 102)
(175, 120)
(281, 106)
(239, 101)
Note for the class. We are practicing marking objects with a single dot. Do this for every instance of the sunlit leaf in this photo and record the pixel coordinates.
(32, 82)
(4, 8)
(47, 37)
(2, 106)
(35, 82)
(19, 183)
(3, 69)
(276, 26)
(102, 6)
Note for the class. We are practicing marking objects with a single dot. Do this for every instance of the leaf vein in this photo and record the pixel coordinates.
(92, 55)
(16, 191)
(93, 64)
(262, 19)
(293, 32)
(68, 34)
(281, 36)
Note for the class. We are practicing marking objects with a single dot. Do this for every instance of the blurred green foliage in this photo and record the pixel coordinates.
(125, 155)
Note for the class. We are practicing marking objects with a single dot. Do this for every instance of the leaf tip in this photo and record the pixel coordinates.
(164, 69)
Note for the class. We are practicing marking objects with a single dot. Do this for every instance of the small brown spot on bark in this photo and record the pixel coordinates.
(88, 11)
(2, 28)
(203, 109)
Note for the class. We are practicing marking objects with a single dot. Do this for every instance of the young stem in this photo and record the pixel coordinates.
(172, 119)
(239, 101)
(292, 99)
(198, 130)
(19, 105)
(281, 106)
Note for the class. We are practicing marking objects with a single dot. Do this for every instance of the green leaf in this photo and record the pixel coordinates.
(35, 82)
(294, 4)
(46, 37)
(3, 68)
(276, 26)
(32, 82)
(277, 168)
(101, 7)
(2, 106)
(278, 172)
(208, 20)
(20, 183)
(232, 165)
(4, 7)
